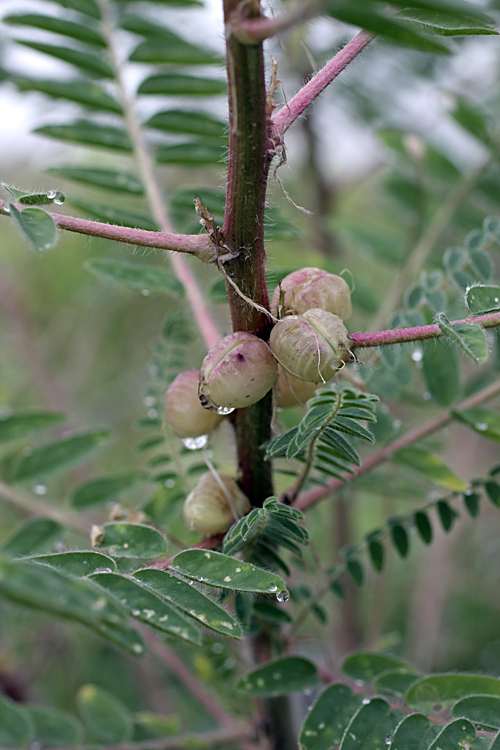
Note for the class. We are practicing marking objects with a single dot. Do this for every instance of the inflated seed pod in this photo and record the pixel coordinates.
(292, 392)
(183, 411)
(237, 372)
(313, 346)
(310, 288)
(215, 503)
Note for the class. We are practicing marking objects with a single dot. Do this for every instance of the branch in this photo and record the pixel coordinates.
(417, 333)
(200, 245)
(255, 30)
(299, 103)
(311, 497)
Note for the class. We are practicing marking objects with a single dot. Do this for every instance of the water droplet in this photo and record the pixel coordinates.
(217, 648)
(51, 194)
(125, 545)
(224, 410)
(195, 444)
(152, 413)
(365, 701)
(358, 683)
(137, 648)
(283, 596)
(6, 208)
(149, 401)
(308, 692)
(170, 483)
(40, 489)
(417, 355)
(56, 197)
(136, 612)
(481, 426)
(145, 292)
(388, 739)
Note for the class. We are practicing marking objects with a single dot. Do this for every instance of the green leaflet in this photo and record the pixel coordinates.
(34, 535)
(177, 84)
(144, 604)
(16, 724)
(481, 709)
(414, 733)
(136, 276)
(325, 724)
(88, 133)
(36, 226)
(188, 123)
(441, 372)
(370, 727)
(17, 425)
(483, 421)
(173, 50)
(367, 666)
(129, 540)
(78, 563)
(55, 457)
(430, 467)
(103, 489)
(106, 719)
(469, 336)
(82, 92)
(117, 180)
(216, 569)
(192, 153)
(191, 601)
(395, 681)
(459, 733)
(445, 689)
(82, 32)
(88, 7)
(483, 298)
(279, 677)
(53, 727)
(86, 61)
(445, 25)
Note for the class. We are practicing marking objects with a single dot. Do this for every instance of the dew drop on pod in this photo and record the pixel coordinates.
(237, 372)
(183, 411)
(292, 392)
(310, 288)
(215, 503)
(313, 346)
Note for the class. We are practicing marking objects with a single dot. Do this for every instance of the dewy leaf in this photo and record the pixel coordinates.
(483, 421)
(18, 425)
(482, 299)
(191, 601)
(366, 666)
(106, 719)
(430, 467)
(441, 372)
(445, 689)
(53, 592)
(481, 709)
(34, 535)
(469, 336)
(129, 540)
(176, 84)
(89, 134)
(82, 92)
(109, 179)
(54, 728)
(136, 276)
(216, 569)
(460, 733)
(412, 733)
(77, 563)
(148, 607)
(87, 61)
(103, 489)
(16, 725)
(55, 457)
(370, 726)
(82, 32)
(37, 226)
(279, 677)
(326, 722)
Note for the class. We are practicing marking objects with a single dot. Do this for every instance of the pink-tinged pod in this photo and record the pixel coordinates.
(237, 372)
(215, 503)
(313, 346)
(291, 391)
(312, 288)
(183, 411)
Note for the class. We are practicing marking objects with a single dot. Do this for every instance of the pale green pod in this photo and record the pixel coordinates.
(313, 346)
(215, 503)
(183, 411)
(312, 288)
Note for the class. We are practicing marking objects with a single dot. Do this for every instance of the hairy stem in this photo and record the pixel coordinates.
(243, 231)
(287, 115)
(417, 333)
(311, 497)
(153, 192)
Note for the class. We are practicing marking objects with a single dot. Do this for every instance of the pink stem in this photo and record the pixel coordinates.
(417, 333)
(311, 497)
(199, 245)
(296, 106)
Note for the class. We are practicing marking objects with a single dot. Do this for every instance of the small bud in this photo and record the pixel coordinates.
(312, 346)
(215, 503)
(183, 411)
(237, 372)
(292, 392)
(310, 288)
